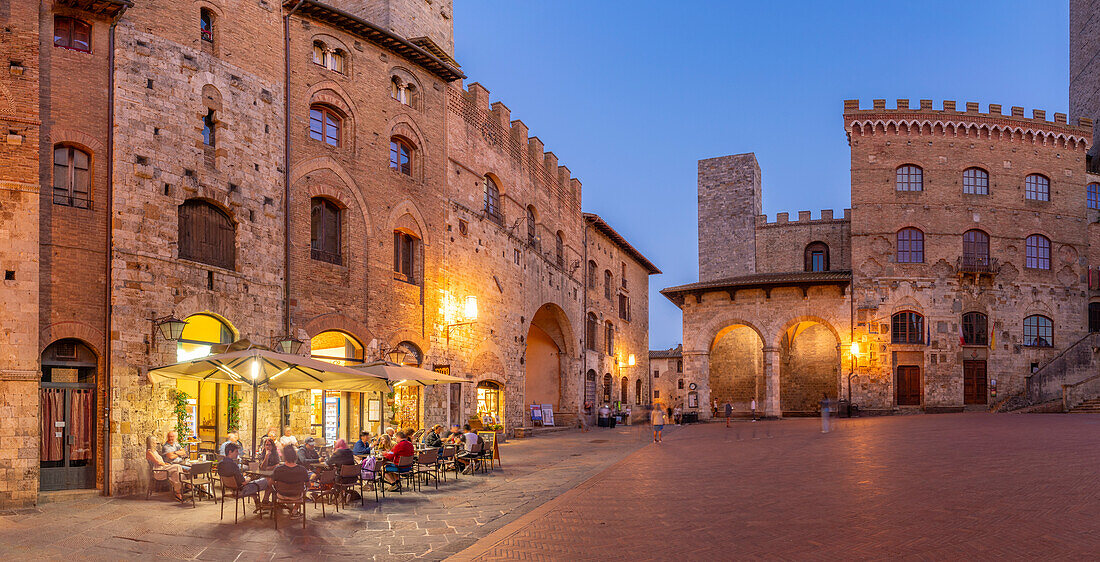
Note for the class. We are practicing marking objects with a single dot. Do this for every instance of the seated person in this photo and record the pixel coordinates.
(361, 448)
(308, 453)
(384, 443)
(290, 473)
(341, 455)
(288, 438)
(465, 458)
(173, 451)
(403, 448)
(269, 455)
(391, 432)
(432, 439)
(233, 438)
(229, 467)
(456, 436)
(157, 462)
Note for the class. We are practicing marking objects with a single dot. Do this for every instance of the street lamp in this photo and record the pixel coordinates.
(170, 327)
(630, 360)
(396, 356)
(469, 314)
(289, 345)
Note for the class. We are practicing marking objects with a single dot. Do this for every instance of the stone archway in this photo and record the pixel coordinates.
(809, 366)
(736, 368)
(548, 338)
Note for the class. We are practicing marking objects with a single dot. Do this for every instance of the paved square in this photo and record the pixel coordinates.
(958, 486)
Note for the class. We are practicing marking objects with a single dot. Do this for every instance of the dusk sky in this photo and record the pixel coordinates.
(630, 95)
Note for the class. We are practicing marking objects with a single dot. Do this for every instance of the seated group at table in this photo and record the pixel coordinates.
(171, 458)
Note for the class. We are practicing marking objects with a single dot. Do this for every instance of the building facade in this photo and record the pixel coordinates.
(307, 171)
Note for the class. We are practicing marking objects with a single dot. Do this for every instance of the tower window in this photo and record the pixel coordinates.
(1037, 188)
(72, 33)
(910, 178)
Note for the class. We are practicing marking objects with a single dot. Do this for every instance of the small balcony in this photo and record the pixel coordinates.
(977, 266)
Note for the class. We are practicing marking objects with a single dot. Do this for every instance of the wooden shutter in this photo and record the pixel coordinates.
(206, 234)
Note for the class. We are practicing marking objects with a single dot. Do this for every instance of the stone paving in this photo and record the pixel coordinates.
(431, 524)
(959, 486)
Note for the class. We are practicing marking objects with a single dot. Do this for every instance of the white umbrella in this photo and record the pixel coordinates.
(405, 374)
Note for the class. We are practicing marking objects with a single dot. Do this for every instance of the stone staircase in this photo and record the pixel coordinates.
(1068, 377)
(1090, 406)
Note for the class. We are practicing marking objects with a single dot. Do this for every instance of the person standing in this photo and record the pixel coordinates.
(729, 413)
(753, 407)
(677, 414)
(657, 418)
(825, 413)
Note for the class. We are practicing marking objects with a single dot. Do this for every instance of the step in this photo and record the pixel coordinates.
(67, 495)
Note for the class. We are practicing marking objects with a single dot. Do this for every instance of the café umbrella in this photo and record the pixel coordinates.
(283, 373)
(406, 374)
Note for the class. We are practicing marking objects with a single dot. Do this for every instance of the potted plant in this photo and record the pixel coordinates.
(499, 429)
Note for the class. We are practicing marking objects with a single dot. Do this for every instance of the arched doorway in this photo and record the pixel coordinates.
(333, 414)
(211, 407)
(490, 402)
(736, 369)
(67, 416)
(808, 367)
(407, 402)
(547, 340)
(605, 398)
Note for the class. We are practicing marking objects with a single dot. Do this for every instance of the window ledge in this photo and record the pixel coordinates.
(204, 265)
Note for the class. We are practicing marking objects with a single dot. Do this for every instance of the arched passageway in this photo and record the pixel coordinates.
(547, 339)
(808, 367)
(736, 368)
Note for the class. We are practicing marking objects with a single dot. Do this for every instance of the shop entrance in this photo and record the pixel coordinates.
(490, 403)
(67, 414)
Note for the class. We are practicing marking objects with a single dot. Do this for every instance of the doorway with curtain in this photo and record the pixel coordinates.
(67, 415)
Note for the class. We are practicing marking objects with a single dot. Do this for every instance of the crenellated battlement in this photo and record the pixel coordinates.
(804, 218)
(970, 121)
(494, 122)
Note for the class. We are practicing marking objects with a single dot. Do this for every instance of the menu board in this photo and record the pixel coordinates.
(536, 414)
(547, 414)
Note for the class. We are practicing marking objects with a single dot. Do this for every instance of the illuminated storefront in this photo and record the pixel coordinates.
(336, 415)
(407, 403)
(490, 402)
(208, 413)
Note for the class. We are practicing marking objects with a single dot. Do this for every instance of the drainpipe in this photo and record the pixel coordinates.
(109, 246)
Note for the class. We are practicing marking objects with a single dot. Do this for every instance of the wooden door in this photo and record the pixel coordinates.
(974, 382)
(908, 385)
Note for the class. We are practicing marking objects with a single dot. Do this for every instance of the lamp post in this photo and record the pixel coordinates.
(255, 374)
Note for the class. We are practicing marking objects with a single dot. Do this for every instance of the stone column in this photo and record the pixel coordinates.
(771, 376)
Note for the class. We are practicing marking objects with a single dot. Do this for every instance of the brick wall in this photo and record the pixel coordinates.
(781, 245)
(1084, 63)
(408, 18)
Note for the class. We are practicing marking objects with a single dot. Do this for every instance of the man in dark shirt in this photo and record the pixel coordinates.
(361, 448)
(229, 467)
(308, 454)
(432, 439)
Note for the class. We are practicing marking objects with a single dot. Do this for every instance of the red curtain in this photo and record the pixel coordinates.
(81, 423)
(53, 410)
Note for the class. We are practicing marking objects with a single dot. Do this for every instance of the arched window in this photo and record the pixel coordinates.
(907, 327)
(592, 274)
(325, 219)
(336, 347)
(489, 400)
(974, 329)
(1037, 187)
(610, 339)
(910, 245)
(680, 384)
(559, 249)
(319, 51)
(208, 128)
(492, 201)
(910, 178)
(1038, 252)
(622, 390)
(325, 124)
(975, 249)
(607, 284)
(202, 332)
(607, 388)
(638, 391)
(976, 181)
(679, 365)
(590, 331)
(206, 25)
(401, 156)
(1038, 331)
(206, 234)
(817, 257)
(590, 389)
(532, 231)
(401, 90)
(1093, 192)
(71, 177)
(406, 248)
(72, 33)
(336, 60)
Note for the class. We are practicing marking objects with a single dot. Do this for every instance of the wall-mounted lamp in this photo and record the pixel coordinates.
(170, 327)
(469, 315)
(630, 360)
(396, 356)
(855, 349)
(288, 344)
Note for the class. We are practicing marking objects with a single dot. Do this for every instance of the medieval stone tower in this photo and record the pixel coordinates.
(729, 201)
(411, 19)
(1084, 66)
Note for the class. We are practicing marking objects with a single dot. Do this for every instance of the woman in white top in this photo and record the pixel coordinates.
(288, 438)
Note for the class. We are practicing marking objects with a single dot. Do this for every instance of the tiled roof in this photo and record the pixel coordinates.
(617, 238)
(765, 281)
(670, 353)
(110, 8)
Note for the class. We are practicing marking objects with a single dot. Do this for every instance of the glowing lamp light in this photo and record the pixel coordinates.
(171, 327)
(630, 360)
(469, 310)
(855, 349)
(255, 369)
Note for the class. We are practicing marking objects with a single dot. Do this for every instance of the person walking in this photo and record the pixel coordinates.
(657, 418)
(753, 407)
(825, 412)
(729, 412)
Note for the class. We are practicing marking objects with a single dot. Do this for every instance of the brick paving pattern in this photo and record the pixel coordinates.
(429, 525)
(959, 486)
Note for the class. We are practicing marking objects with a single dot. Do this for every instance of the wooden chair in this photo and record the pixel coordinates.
(326, 489)
(229, 487)
(198, 480)
(347, 477)
(427, 464)
(447, 460)
(290, 496)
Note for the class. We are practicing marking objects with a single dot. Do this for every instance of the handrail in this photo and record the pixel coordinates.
(1080, 382)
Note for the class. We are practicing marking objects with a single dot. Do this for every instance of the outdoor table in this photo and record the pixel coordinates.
(261, 473)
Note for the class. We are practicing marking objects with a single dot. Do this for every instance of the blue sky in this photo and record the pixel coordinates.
(630, 95)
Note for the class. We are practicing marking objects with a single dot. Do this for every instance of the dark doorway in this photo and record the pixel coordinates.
(908, 385)
(67, 416)
(1094, 317)
(974, 382)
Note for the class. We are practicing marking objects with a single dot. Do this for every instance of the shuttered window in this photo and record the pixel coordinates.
(206, 234)
(325, 231)
(71, 177)
(72, 34)
(405, 247)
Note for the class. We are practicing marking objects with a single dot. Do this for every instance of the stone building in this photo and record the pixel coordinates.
(306, 171)
(667, 375)
(1084, 67)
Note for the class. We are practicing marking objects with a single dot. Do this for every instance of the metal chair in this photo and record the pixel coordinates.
(406, 470)
(198, 480)
(156, 474)
(347, 477)
(288, 495)
(427, 464)
(447, 460)
(229, 487)
(326, 482)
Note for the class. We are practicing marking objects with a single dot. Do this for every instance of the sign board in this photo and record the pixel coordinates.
(547, 414)
(536, 414)
(374, 410)
(442, 369)
(490, 438)
(693, 400)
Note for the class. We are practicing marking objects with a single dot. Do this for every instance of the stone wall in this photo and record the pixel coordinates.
(408, 18)
(1084, 65)
(737, 368)
(781, 245)
(729, 201)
